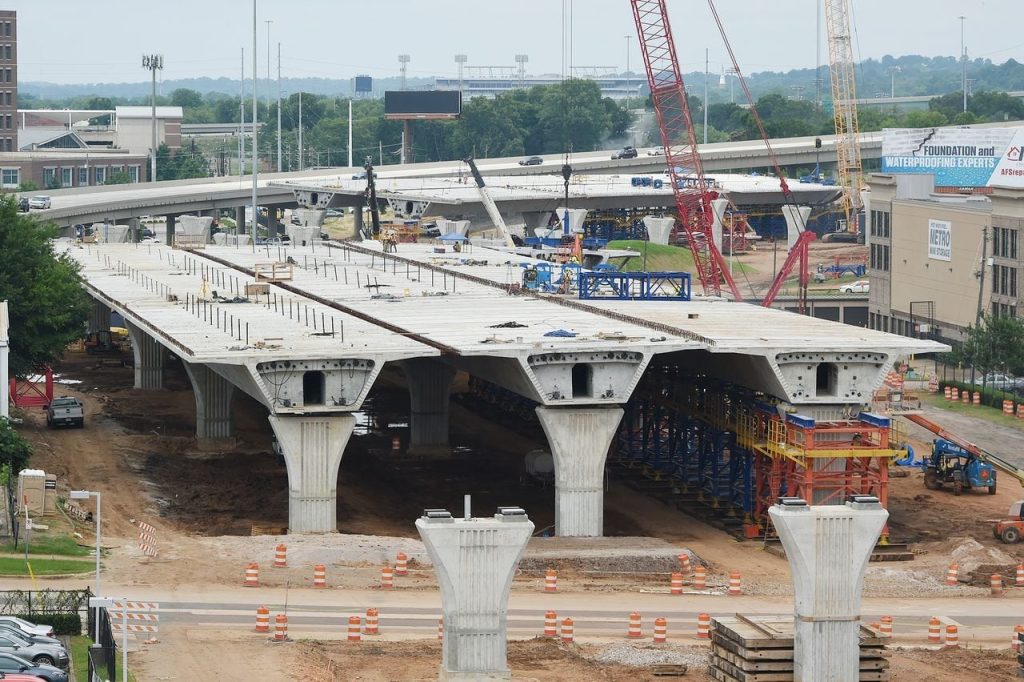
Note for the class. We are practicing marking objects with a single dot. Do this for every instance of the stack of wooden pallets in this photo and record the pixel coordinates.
(760, 649)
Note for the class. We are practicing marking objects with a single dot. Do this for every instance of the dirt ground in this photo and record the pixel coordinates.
(138, 449)
(768, 259)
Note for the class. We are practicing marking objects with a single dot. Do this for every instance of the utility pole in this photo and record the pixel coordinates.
(255, 119)
(279, 107)
(153, 62)
(817, 58)
(963, 61)
(349, 132)
(627, 70)
(241, 121)
(707, 54)
(300, 131)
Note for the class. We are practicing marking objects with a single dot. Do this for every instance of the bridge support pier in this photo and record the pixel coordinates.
(429, 384)
(99, 317)
(240, 219)
(312, 448)
(213, 401)
(149, 359)
(579, 438)
(172, 224)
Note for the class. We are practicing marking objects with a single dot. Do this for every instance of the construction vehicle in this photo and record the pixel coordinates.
(488, 202)
(107, 342)
(951, 464)
(1011, 529)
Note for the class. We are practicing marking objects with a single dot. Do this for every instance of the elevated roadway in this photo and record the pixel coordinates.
(306, 330)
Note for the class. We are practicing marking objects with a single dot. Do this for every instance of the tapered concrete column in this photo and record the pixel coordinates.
(149, 359)
(357, 215)
(429, 384)
(474, 560)
(828, 549)
(213, 401)
(172, 226)
(99, 317)
(134, 230)
(579, 438)
(240, 220)
(312, 447)
(796, 222)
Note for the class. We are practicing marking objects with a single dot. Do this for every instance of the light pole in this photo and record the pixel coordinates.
(154, 62)
(403, 59)
(963, 61)
(893, 70)
(84, 495)
(461, 60)
(627, 38)
(707, 56)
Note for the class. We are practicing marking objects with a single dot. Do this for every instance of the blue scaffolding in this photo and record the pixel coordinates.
(641, 286)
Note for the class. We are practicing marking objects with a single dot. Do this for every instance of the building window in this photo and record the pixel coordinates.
(10, 177)
(1004, 242)
(7, 29)
(880, 257)
(9, 98)
(1004, 280)
(9, 52)
(83, 176)
(1004, 310)
(101, 175)
(65, 177)
(49, 176)
(133, 173)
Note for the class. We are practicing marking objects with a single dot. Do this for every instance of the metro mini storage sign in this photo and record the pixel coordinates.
(940, 240)
(957, 157)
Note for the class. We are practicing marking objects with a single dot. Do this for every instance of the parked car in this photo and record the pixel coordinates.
(23, 204)
(48, 654)
(38, 639)
(861, 286)
(40, 201)
(625, 153)
(531, 161)
(19, 677)
(66, 411)
(28, 627)
(998, 381)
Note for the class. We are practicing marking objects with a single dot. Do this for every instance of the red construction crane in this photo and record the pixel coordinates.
(798, 255)
(693, 193)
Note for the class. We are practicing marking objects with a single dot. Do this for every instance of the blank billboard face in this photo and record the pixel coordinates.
(364, 84)
(400, 104)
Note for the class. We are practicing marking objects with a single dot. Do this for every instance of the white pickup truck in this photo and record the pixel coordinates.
(65, 411)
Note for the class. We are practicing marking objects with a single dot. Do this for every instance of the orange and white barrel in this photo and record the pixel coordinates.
(996, 585)
(704, 626)
(955, 393)
(676, 584)
(700, 578)
(635, 630)
(396, 443)
(684, 563)
(1016, 639)
(372, 622)
(401, 564)
(252, 576)
(965, 397)
(953, 575)
(550, 624)
(280, 627)
(281, 556)
(551, 580)
(387, 578)
(948, 392)
(263, 619)
(976, 398)
(354, 628)
(1020, 575)
(568, 634)
(1008, 407)
(735, 585)
(440, 629)
(1020, 411)
(885, 627)
(934, 630)
(952, 638)
(320, 576)
(660, 630)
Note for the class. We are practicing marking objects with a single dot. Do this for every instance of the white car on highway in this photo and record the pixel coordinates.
(41, 201)
(861, 286)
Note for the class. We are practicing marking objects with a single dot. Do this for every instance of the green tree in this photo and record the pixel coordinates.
(185, 98)
(28, 186)
(47, 303)
(119, 178)
(995, 345)
(15, 451)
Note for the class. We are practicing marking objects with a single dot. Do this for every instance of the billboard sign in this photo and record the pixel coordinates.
(940, 240)
(957, 157)
(418, 104)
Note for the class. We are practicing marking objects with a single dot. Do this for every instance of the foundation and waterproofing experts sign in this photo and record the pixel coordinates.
(940, 240)
(957, 157)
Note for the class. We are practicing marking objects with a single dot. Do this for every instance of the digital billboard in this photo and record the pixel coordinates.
(416, 104)
(957, 157)
(364, 85)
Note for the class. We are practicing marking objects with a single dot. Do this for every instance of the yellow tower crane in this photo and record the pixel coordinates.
(844, 106)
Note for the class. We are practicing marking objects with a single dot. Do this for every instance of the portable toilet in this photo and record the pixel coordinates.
(32, 490)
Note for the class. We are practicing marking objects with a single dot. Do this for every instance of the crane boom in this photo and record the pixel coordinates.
(844, 107)
(693, 193)
(998, 462)
(489, 205)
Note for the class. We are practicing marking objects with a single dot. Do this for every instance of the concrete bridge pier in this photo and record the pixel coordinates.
(149, 359)
(312, 446)
(579, 438)
(172, 225)
(429, 384)
(213, 401)
(240, 219)
(99, 317)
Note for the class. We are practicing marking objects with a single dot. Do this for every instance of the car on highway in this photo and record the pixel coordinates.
(362, 176)
(28, 627)
(39, 201)
(12, 666)
(50, 654)
(861, 286)
(625, 153)
(657, 151)
(531, 161)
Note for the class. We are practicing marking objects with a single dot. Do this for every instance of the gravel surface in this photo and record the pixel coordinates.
(640, 655)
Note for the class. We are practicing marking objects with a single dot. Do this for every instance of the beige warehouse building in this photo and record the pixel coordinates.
(936, 259)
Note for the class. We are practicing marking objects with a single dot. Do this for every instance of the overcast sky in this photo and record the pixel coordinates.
(75, 41)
